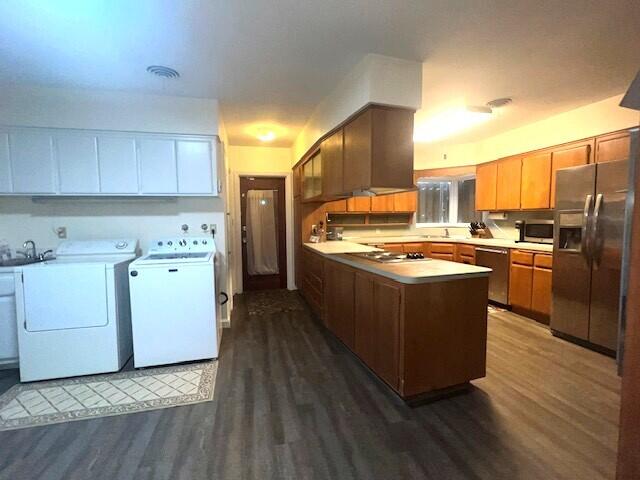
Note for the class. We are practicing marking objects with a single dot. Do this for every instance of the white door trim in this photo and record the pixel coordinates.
(236, 253)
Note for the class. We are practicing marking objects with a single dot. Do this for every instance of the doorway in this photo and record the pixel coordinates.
(263, 233)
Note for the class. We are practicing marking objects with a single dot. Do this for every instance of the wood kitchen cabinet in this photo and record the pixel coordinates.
(339, 283)
(535, 192)
(405, 201)
(332, 153)
(570, 156)
(382, 203)
(442, 251)
(509, 177)
(377, 325)
(336, 206)
(530, 284)
(394, 247)
(613, 146)
(312, 280)
(358, 204)
(486, 185)
(409, 335)
(465, 254)
(378, 150)
(541, 287)
(520, 280)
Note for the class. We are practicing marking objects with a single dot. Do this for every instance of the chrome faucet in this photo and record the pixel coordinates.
(31, 245)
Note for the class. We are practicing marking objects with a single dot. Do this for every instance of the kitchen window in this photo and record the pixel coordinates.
(446, 201)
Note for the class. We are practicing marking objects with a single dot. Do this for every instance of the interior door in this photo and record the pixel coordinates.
(264, 248)
(52, 300)
(606, 237)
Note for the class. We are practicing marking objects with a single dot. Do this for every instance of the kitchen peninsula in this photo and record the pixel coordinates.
(405, 321)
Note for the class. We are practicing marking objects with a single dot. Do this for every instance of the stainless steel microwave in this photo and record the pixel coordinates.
(538, 231)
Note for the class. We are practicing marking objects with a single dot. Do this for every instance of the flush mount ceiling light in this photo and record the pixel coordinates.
(266, 131)
(162, 71)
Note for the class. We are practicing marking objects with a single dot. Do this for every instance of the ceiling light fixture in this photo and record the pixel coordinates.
(499, 102)
(162, 71)
(266, 136)
(448, 122)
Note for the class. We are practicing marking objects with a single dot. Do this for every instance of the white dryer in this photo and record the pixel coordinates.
(73, 312)
(174, 307)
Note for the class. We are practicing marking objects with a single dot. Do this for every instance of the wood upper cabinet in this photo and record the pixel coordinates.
(336, 206)
(613, 146)
(509, 176)
(377, 326)
(486, 178)
(297, 181)
(382, 203)
(358, 204)
(378, 150)
(405, 201)
(572, 156)
(332, 177)
(536, 181)
(339, 301)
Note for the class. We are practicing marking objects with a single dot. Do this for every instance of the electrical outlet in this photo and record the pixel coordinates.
(212, 228)
(61, 232)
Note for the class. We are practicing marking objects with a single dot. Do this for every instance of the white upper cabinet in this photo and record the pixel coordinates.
(195, 168)
(158, 173)
(77, 158)
(118, 165)
(5, 165)
(32, 163)
(40, 161)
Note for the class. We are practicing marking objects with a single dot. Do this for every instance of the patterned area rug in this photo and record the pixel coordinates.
(44, 403)
(265, 302)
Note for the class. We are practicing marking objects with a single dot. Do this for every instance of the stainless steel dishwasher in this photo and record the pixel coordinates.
(497, 259)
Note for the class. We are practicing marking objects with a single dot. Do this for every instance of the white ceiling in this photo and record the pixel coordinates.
(274, 60)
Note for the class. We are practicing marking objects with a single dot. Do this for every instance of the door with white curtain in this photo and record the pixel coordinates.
(264, 254)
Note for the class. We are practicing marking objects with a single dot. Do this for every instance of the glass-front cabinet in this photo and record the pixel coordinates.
(312, 177)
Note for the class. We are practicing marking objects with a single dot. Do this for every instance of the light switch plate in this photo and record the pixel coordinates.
(61, 232)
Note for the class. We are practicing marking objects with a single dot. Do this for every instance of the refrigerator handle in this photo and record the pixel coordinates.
(595, 248)
(584, 240)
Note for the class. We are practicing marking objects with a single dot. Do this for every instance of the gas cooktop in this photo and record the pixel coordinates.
(392, 257)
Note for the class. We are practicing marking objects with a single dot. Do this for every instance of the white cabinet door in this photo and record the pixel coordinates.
(118, 165)
(32, 163)
(77, 159)
(195, 167)
(5, 165)
(158, 174)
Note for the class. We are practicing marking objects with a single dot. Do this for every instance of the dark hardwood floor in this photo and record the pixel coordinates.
(292, 403)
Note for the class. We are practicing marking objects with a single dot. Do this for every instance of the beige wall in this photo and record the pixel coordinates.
(587, 121)
(259, 159)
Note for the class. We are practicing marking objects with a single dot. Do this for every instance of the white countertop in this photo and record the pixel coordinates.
(487, 242)
(426, 271)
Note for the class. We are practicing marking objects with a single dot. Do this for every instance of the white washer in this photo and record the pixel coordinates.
(73, 311)
(174, 307)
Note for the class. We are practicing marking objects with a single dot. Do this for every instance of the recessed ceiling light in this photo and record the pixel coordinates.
(162, 71)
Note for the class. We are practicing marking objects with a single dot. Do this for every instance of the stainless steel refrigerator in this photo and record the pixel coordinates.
(587, 252)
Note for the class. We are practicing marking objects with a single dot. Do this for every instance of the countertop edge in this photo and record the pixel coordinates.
(371, 268)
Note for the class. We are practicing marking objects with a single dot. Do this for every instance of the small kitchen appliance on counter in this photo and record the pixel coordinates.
(536, 231)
